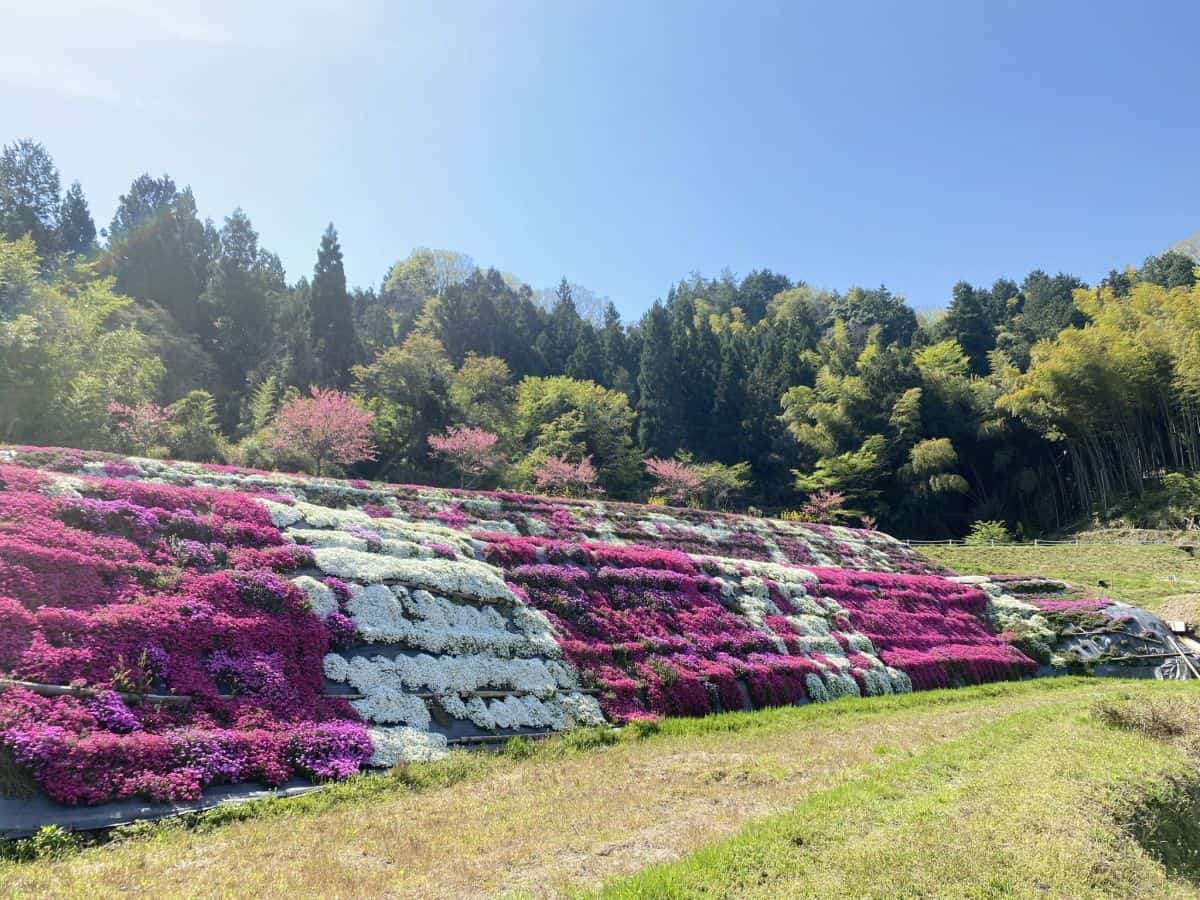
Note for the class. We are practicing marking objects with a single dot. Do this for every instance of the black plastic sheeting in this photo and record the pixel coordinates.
(1140, 633)
(21, 817)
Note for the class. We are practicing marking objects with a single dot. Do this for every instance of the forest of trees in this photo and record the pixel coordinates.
(1040, 402)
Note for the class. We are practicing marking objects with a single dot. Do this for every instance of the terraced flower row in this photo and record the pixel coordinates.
(309, 627)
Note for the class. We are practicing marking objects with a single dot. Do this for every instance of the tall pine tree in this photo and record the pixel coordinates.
(726, 438)
(330, 318)
(660, 414)
(76, 230)
(240, 281)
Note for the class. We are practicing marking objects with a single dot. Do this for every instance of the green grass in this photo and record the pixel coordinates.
(1035, 804)
(1141, 574)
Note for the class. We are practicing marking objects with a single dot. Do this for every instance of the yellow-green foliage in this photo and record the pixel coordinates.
(61, 362)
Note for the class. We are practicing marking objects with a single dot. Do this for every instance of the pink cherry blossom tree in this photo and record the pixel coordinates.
(327, 426)
(472, 452)
(676, 481)
(824, 506)
(140, 428)
(558, 475)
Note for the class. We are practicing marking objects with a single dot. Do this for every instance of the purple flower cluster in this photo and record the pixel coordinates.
(120, 590)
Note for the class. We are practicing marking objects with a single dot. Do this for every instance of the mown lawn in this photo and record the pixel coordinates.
(1010, 788)
(1142, 574)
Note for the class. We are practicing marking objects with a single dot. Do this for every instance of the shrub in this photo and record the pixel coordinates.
(984, 532)
(674, 480)
(556, 475)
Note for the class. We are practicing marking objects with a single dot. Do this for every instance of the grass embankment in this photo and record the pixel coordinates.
(1014, 787)
(1155, 576)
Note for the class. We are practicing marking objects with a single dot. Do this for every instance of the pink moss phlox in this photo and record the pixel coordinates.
(121, 590)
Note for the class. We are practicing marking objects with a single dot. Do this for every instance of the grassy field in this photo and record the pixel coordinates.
(1011, 788)
(1030, 805)
(1148, 575)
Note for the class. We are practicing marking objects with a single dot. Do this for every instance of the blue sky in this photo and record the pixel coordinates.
(626, 144)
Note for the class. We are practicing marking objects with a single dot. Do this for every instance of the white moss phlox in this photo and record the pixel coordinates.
(465, 578)
(403, 744)
(321, 598)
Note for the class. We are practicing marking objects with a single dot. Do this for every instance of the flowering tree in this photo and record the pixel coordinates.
(824, 506)
(557, 475)
(677, 481)
(328, 426)
(140, 428)
(472, 452)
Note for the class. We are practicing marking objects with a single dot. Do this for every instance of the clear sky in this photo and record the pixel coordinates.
(626, 144)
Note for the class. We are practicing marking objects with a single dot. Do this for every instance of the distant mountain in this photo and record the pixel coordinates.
(1189, 246)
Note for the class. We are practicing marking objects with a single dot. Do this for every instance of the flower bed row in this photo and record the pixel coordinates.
(695, 531)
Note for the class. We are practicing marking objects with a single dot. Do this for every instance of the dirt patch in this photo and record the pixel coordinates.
(1185, 607)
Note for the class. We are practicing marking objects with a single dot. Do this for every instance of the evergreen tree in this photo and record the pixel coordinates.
(757, 290)
(160, 251)
(330, 321)
(586, 361)
(1170, 270)
(29, 195)
(240, 279)
(615, 346)
(967, 322)
(76, 230)
(561, 334)
(726, 437)
(660, 419)
(1049, 305)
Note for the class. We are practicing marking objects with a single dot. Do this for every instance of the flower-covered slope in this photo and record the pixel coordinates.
(168, 626)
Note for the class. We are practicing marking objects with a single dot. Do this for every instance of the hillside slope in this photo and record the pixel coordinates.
(167, 627)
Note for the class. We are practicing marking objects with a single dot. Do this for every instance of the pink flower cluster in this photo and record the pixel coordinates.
(929, 627)
(150, 588)
(649, 628)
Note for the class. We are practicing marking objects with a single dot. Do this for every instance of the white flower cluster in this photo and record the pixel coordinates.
(397, 745)
(422, 621)
(321, 598)
(450, 674)
(390, 704)
(463, 578)
(557, 713)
